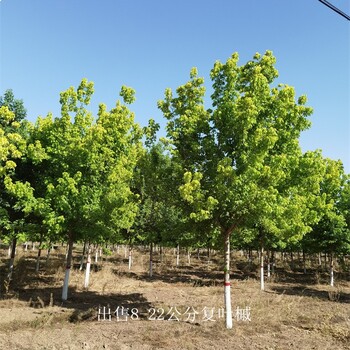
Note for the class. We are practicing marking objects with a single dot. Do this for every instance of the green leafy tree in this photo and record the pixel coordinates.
(344, 201)
(114, 148)
(331, 233)
(12, 147)
(238, 156)
(17, 200)
(159, 216)
(88, 169)
(14, 105)
(12, 144)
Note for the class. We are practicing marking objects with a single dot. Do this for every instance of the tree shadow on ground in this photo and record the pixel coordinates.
(184, 274)
(85, 305)
(310, 277)
(300, 290)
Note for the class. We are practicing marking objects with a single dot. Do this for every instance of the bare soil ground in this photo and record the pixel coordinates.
(296, 310)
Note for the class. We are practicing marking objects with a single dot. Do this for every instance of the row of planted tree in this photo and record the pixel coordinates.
(233, 173)
(249, 262)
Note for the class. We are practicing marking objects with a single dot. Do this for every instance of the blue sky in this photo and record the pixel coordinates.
(47, 46)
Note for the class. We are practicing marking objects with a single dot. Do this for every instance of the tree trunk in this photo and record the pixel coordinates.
(291, 260)
(304, 261)
(151, 260)
(262, 282)
(68, 267)
(37, 267)
(48, 253)
(82, 257)
(88, 267)
(227, 282)
(178, 255)
(250, 256)
(161, 252)
(96, 255)
(12, 258)
(319, 261)
(130, 256)
(331, 270)
(268, 264)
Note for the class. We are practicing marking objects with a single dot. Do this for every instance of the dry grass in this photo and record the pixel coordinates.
(295, 310)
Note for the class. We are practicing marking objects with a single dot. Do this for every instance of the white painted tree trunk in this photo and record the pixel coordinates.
(227, 283)
(331, 270)
(208, 256)
(151, 260)
(178, 255)
(130, 257)
(11, 267)
(273, 263)
(161, 252)
(37, 267)
(68, 269)
(262, 282)
(65, 284)
(88, 267)
(48, 254)
(82, 257)
(268, 255)
(189, 256)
